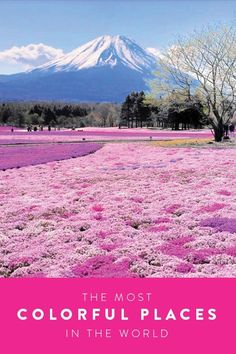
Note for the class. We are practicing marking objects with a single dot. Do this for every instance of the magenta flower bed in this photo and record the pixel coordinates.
(6, 137)
(7, 129)
(126, 211)
(19, 156)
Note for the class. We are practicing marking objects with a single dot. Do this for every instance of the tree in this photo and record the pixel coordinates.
(187, 111)
(177, 110)
(48, 116)
(204, 63)
(126, 114)
(5, 113)
(20, 119)
(142, 110)
(135, 110)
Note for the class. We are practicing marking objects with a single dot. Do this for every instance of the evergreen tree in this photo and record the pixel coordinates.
(135, 110)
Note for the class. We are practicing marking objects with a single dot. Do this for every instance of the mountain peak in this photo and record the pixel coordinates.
(106, 50)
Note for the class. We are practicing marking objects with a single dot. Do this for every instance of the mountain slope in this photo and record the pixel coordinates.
(103, 51)
(105, 69)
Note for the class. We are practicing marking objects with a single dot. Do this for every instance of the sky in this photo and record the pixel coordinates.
(65, 25)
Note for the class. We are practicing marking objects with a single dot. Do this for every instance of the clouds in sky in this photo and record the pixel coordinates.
(24, 58)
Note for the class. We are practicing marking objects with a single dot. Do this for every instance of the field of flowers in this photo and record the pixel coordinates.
(127, 210)
(15, 156)
(95, 134)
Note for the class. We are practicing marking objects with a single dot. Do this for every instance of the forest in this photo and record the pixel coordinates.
(58, 115)
(138, 110)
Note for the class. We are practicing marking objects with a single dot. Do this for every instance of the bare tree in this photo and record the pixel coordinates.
(204, 62)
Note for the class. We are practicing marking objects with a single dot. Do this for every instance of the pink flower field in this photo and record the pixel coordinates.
(95, 134)
(13, 156)
(128, 210)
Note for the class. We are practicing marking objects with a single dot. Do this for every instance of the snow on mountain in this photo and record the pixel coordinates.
(105, 69)
(155, 52)
(104, 51)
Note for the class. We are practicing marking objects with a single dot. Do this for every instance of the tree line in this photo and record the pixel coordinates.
(60, 115)
(137, 110)
(173, 111)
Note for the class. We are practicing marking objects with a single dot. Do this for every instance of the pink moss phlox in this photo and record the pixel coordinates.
(85, 185)
(224, 192)
(35, 275)
(68, 214)
(176, 160)
(220, 224)
(202, 256)
(97, 207)
(174, 250)
(171, 209)
(137, 199)
(158, 228)
(231, 251)
(110, 245)
(98, 216)
(12, 157)
(180, 241)
(176, 247)
(184, 268)
(212, 207)
(103, 234)
(57, 228)
(23, 261)
(162, 220)
(103, 266)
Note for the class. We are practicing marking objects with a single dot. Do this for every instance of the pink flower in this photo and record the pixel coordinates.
(158, 228)
(162, 220)
(212, 207)
(97, 207)
(171, 209)
(98, 216)
(184, 268)
(224, 192)
(103, 267)
(137, 199)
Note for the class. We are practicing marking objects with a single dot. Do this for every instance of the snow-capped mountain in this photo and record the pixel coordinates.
(154, 52)
(104, 69)
(104, 51)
